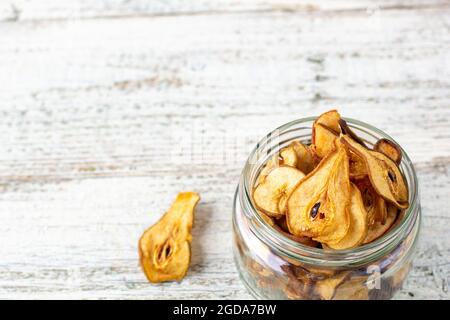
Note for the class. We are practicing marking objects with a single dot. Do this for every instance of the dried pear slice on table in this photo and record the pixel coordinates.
(389, 149)
(384, 174)
(164, 248)
(270, 195)
(317, 207)
(358, 223)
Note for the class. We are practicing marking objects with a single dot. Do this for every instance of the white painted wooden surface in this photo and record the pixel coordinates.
(109, 108)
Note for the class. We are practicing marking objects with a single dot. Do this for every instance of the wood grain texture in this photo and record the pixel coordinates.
(33, 10)
(104, 120)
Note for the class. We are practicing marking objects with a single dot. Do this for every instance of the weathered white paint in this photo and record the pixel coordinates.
(104, 120)
(20, 10)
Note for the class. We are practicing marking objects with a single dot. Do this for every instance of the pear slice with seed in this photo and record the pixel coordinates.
(164, 248)
(384, 174)
(317, 207)
(337, 201)
(275, 189)
(394, 178)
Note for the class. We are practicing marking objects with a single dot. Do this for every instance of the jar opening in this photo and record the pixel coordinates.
(301, 130)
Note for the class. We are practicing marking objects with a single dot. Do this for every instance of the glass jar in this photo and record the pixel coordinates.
(272, 266)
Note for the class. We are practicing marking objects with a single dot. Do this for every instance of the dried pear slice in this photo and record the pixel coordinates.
(270, 221)
(384, 174)
(389, 149)
(272, 163)
(298, 286)
(306, 241)
(380, 210)
(319, 202)
(395, 179)
(324, 131)
(329, 119)
(357, 166)
(345, 129)
(286, 157)
(305, 157)
(358, 223)
(299, 204)
(283, 203)
(275, 188)
(374, 204)
(338, 202)
(319, 273)
(400, 215)
(323, 140)
(258, 270)
(326, 288)
(164, 248)
(289, 156)
(353, 289)
(293, 291)
(281, 226)
(369, 203)
(378, 229)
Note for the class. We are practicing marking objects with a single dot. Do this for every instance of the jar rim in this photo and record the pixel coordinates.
(295, 250)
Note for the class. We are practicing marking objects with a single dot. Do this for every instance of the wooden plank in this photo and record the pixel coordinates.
(104, 121)
(15, 10)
